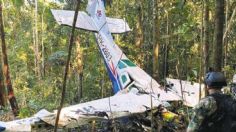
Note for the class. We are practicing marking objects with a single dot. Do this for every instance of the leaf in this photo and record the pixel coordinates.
(58, 58)
(18, 3)
(181, 3)
(194, 73)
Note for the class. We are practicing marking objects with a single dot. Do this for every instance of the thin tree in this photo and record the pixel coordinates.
(139, 30)
(166, 49)
(148, 46)
(67, 65)
(206, 39)
(218, 37)
(225, 41)
(2, 87)
(36, 41)
(156, 39)
(206, 36)
(79, 65)
(228, 26)
(6, 70)
(42, 44)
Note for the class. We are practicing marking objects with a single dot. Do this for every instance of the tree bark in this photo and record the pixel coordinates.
(166, 48)
(218, 43)
(36, 48)
(42, 43)
(156, 40)
(206, 36)
(139, 34)
(205, 41)
(228, 26)
(6, 70)
(148, 43)
(80, 90)
(2, 88)
(79, 65)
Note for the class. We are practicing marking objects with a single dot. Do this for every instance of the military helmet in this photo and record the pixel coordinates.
(215, 80)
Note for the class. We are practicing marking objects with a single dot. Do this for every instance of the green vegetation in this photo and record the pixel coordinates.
(167, 39)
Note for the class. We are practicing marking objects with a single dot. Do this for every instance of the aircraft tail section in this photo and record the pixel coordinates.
(124, 74)
(96, 10)
(96, 21)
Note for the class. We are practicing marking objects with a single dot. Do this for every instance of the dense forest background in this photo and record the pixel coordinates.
(169, 38)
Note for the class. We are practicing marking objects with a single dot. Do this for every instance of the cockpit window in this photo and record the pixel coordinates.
(121, 65)
(129, 63)
(124, 78)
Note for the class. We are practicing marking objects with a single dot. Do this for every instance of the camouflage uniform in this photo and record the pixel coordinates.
(206, 107)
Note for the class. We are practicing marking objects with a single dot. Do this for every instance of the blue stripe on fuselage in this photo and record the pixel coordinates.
(114, 80)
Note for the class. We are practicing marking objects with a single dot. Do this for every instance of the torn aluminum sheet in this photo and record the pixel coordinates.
(190, 90)
(107, 108)
(24, 125)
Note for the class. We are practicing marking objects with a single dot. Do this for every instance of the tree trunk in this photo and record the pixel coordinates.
(156, 40)
(80, 91)
(67, 65)
(225, 41)
(36, 48)
(139, 34)
(166, 48)
(205, 42)
(102, 85)
(148, 44)
(42, 43)
(206, 36)
(218, 43)
(2, 88)
(228, 26)
(79, 60)
(6, 70)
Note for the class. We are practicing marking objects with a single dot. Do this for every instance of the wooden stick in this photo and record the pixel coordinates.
(67, 65)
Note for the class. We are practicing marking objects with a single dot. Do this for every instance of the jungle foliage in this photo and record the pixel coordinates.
(167, 40)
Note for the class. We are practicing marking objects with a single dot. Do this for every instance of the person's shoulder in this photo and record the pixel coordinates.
(207, 100)
(207, 103)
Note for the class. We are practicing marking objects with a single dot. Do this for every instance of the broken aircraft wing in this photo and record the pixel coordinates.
(103, 109)
(190, 90)
(84, 21)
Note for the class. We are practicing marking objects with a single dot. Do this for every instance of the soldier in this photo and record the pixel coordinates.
(215, 112)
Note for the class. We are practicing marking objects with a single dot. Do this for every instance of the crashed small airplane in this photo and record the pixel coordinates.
(135, 91)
